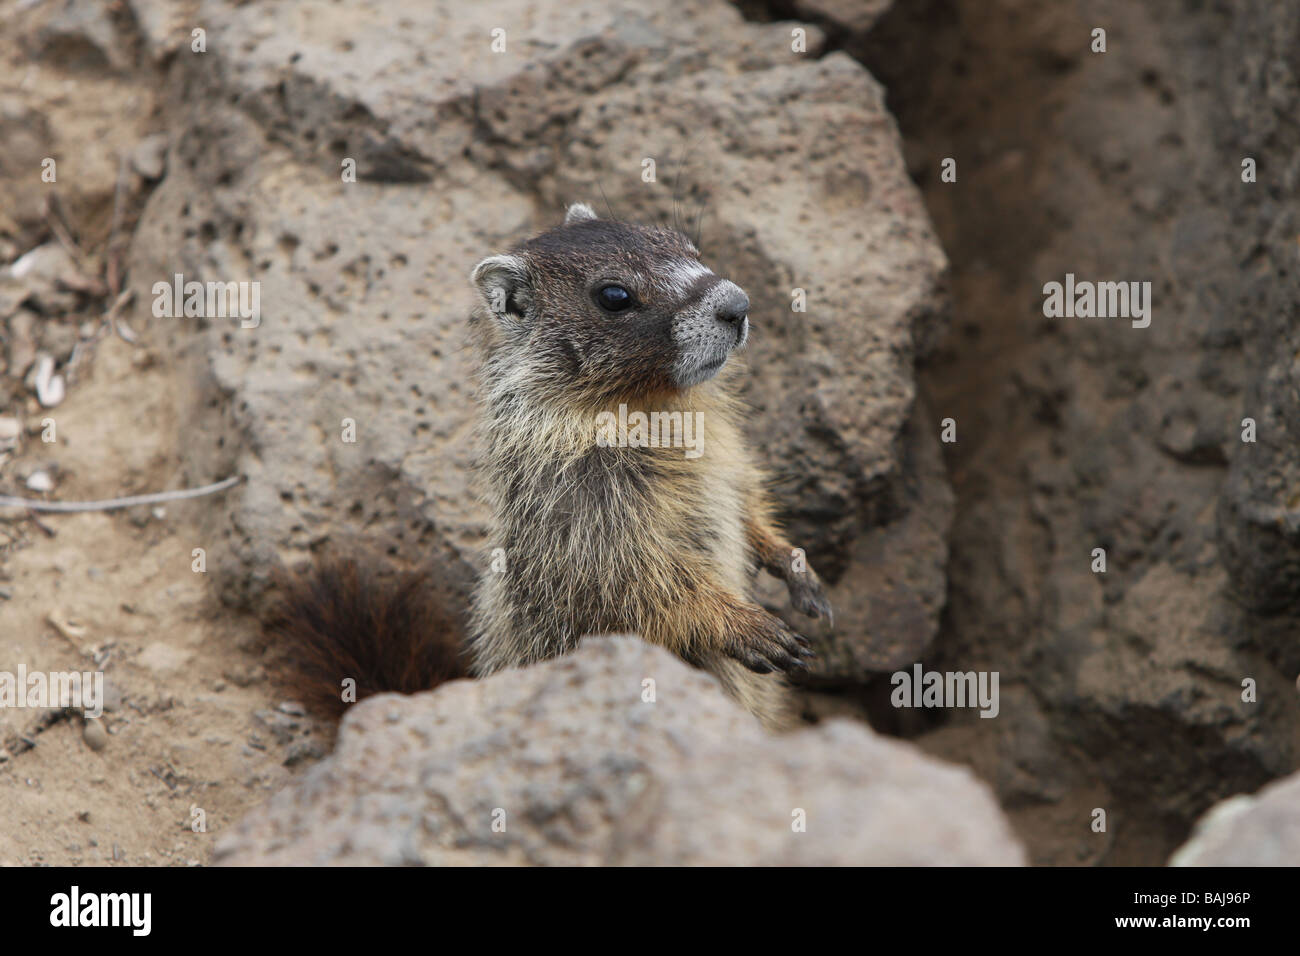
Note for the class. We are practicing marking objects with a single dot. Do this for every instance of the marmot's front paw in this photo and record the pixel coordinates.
(770, 646)
(808, 596)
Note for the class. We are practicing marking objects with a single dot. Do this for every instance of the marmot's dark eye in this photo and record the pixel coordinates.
(613, 298)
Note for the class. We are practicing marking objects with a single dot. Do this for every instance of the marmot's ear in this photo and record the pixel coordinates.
(502, 281)
(578, 212)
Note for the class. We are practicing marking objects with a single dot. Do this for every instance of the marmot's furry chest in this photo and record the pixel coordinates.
(614, 520)
(597, 537)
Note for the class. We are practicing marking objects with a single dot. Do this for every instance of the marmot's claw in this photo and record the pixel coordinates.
(774, 648)
(809, 597)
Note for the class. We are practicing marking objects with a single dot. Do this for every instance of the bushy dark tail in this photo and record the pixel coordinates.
(352, 618)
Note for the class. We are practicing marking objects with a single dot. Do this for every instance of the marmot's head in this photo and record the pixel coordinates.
(606, 307)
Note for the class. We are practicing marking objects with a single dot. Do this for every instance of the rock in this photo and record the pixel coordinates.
(366, 321)
(582, 770)
(299, 751)
(40, 277)
(149, 159)
(1258, 830)
(40, 482)
(895, 582)
(79, 35)
(283, 727)
(95, 734)
(48, 386)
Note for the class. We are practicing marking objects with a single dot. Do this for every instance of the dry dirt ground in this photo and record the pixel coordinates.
(192, 722)
(184, 698)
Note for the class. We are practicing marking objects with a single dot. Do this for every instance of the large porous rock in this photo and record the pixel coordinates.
(459, 150)
(582, 761)
(1262, 829)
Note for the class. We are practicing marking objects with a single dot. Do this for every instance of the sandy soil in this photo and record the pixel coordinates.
(190, 716)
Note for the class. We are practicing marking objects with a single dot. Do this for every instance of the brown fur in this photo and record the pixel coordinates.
(346, 618)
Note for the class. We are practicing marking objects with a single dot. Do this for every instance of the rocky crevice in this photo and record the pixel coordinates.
(1123, 690)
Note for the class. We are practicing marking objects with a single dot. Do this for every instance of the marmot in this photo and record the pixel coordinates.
(622, 495)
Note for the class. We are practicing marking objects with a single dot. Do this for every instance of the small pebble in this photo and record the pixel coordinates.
(149, 158)
(48, 386)
(40, 482)
(95, 734)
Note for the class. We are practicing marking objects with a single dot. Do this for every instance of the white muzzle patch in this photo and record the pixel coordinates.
(704, 339)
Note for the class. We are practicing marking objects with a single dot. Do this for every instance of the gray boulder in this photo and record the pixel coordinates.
(1262, 829)
(575, 766)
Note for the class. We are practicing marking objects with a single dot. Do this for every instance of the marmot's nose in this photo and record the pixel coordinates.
(734, 306)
